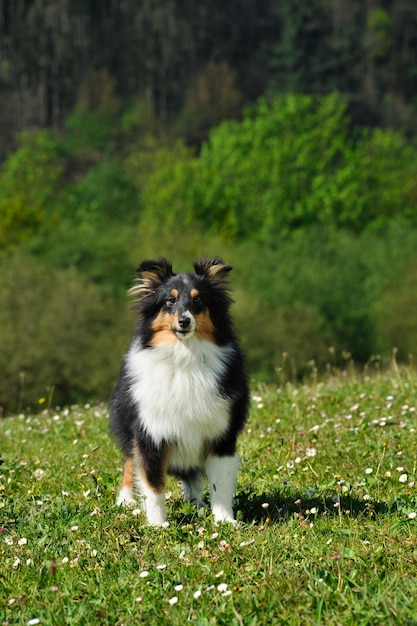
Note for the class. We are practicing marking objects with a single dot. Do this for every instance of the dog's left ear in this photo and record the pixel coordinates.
(214, 269)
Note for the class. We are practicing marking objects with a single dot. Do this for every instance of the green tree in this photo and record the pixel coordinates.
(290, 163)
(30, 181)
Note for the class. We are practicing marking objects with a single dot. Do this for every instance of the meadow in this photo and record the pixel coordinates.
(326, 503)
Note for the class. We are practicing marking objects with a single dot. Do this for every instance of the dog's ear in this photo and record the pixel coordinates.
(150, 275)
(214, 269)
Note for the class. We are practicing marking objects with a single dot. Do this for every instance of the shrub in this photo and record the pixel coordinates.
(59, 336)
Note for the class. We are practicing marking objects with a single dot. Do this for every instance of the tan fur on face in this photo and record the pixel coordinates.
(162, 327)
(204, 327)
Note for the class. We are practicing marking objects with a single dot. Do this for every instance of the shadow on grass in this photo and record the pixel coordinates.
(277, 508)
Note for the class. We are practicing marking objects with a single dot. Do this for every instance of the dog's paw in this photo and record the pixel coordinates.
(126, 498)
(222, 515)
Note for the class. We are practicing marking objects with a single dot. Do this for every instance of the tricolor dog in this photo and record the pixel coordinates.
(182, 395)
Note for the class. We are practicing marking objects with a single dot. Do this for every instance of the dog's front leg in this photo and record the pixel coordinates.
(152, 470)
(153, 502)
(221, 473)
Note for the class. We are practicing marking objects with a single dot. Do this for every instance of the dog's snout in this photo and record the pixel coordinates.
(184, 321)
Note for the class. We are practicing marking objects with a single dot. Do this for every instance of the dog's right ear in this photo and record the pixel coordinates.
(150, 275)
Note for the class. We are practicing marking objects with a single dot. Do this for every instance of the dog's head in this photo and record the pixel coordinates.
(179, 306)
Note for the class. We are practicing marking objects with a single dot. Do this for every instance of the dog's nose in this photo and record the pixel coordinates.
(184, 321)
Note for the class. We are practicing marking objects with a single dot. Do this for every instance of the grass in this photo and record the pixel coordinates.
(326, 502)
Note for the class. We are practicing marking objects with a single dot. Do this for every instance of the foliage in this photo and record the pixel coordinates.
(326, 503)
(59, 335)
(105, 194)
(318, 220)
(29, 185)
(162, 52)
(290, 163)
(164, 174)
(212, 98)
(257, 177)
(395, 327)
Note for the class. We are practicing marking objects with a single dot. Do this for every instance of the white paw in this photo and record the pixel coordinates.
(154, 505)
(222, 515)
(126, 497)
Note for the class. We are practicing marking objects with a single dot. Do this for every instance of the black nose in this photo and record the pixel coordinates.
(184, 322)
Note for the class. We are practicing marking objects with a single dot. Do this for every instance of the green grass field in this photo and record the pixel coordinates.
(327, 510)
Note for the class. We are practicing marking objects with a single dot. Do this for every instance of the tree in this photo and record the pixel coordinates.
(29, 188)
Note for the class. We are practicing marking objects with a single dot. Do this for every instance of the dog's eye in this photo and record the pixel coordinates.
(171, 300)
(197, 300)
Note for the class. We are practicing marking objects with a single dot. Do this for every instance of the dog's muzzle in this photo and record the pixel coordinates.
(185, 326)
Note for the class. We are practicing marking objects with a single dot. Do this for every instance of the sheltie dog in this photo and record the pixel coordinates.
(182, 394)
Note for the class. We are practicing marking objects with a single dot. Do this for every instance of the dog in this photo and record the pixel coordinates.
(182, 396)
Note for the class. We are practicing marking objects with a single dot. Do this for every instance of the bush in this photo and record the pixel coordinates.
(396, 320)
(30, 180)
(59, 336)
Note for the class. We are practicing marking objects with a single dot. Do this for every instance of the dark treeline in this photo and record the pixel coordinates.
(179, 55)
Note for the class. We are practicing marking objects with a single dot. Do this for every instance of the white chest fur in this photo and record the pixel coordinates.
(176, 389)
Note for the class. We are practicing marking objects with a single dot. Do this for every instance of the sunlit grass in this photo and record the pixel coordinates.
(327, 510)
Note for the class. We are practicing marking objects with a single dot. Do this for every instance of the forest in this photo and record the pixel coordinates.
(280, 136)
